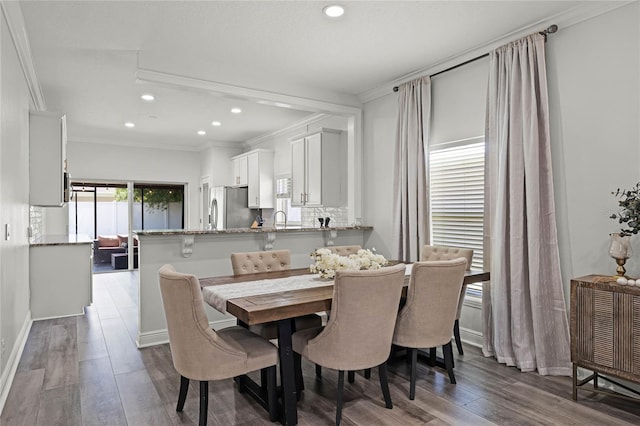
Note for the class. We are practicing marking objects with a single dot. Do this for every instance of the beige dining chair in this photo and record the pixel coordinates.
(266, 261)
(200, 353)
(448, 253)
(425, 321)
(344, 250)
(359, 331)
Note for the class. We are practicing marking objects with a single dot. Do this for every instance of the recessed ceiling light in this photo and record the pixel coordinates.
(202, 132)
(236, 110)
(216, 123)
(147, 97)
(333, 11)
(129, 124)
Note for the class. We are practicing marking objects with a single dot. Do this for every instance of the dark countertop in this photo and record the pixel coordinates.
(60, 240)
(288, 229)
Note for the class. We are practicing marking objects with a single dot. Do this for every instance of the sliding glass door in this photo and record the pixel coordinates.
(101, 211)
(158, 207)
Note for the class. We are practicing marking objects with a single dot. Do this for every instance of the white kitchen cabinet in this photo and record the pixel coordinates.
(48, 186)
(239, 166)
(60, 276)
(318, 169)
(260, 179)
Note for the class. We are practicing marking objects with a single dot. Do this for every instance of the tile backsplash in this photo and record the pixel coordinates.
(309, 216)
(36, 221)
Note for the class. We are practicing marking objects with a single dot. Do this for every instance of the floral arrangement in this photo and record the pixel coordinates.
(326, 263)
(629, 214)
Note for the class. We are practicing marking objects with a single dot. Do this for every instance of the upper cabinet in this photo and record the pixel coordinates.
(255, 169)
(318, 169)
(48, 186)
(239, 166)
(260, 179)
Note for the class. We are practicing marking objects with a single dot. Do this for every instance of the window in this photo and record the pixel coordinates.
(457, 198)
(283, 202)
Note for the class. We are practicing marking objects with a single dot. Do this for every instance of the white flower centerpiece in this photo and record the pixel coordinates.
(326, 263)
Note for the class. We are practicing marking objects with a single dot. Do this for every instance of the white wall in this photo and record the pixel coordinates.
(458, 99)
(378, 156)
(90, 161)
(14, 209)
(594, 91)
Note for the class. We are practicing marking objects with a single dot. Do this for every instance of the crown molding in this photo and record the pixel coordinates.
(15, 21)
(156, 144)
(564, 20)
(305, 122)
(260, 96)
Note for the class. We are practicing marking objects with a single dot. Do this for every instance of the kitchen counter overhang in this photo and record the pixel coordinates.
(263, 229)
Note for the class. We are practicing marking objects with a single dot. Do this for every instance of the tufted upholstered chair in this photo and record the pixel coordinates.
(260, 261)
(448, 253)
(359, 331)
(266, 261)
(344, 250)
(426, 319)
(199, 353)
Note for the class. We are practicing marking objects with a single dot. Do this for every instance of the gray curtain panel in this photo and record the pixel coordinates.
(524, 310)
(411, 197)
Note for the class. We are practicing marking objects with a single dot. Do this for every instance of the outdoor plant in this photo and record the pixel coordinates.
(629, 214)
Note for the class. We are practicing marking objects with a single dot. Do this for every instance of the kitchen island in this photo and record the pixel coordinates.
(206, 253)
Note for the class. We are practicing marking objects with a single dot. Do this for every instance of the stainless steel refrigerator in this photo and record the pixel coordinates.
(229, 208)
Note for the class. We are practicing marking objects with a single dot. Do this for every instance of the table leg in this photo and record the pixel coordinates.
(287, 373)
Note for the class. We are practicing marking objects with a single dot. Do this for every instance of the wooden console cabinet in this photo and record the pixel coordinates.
(605, 330)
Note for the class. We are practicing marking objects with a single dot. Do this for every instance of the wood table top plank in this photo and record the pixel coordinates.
(263, 308)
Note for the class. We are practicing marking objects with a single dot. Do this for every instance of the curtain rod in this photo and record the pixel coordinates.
(550, 30)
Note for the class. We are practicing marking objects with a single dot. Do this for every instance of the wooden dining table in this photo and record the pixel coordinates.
(282, 307)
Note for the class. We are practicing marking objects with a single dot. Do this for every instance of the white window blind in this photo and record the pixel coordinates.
(457, 198)
(283, 203)
(283, 187)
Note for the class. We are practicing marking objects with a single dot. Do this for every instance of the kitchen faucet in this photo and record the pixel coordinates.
(276, 214)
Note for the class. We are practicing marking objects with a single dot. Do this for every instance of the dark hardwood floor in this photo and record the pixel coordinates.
(86, 370)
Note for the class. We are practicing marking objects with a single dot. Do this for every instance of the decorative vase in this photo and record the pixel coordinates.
(620, 250)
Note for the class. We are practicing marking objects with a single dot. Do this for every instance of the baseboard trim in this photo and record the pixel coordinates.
(471, 337)
(9, 373)
(160, 337)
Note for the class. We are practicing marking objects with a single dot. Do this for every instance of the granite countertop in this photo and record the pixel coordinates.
(249, 230)
(59, 240)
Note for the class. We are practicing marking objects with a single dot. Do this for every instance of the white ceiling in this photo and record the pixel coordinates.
(87, 55)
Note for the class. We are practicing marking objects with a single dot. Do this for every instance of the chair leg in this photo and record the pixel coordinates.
(448, 361)
(414, 372)
(351, 376)
(367, 373)
(182, 396)
(384, 384)
(456, 335)
(318, 371)
(339, 392)
(432, 357)
(204, 402)
(272, 392)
